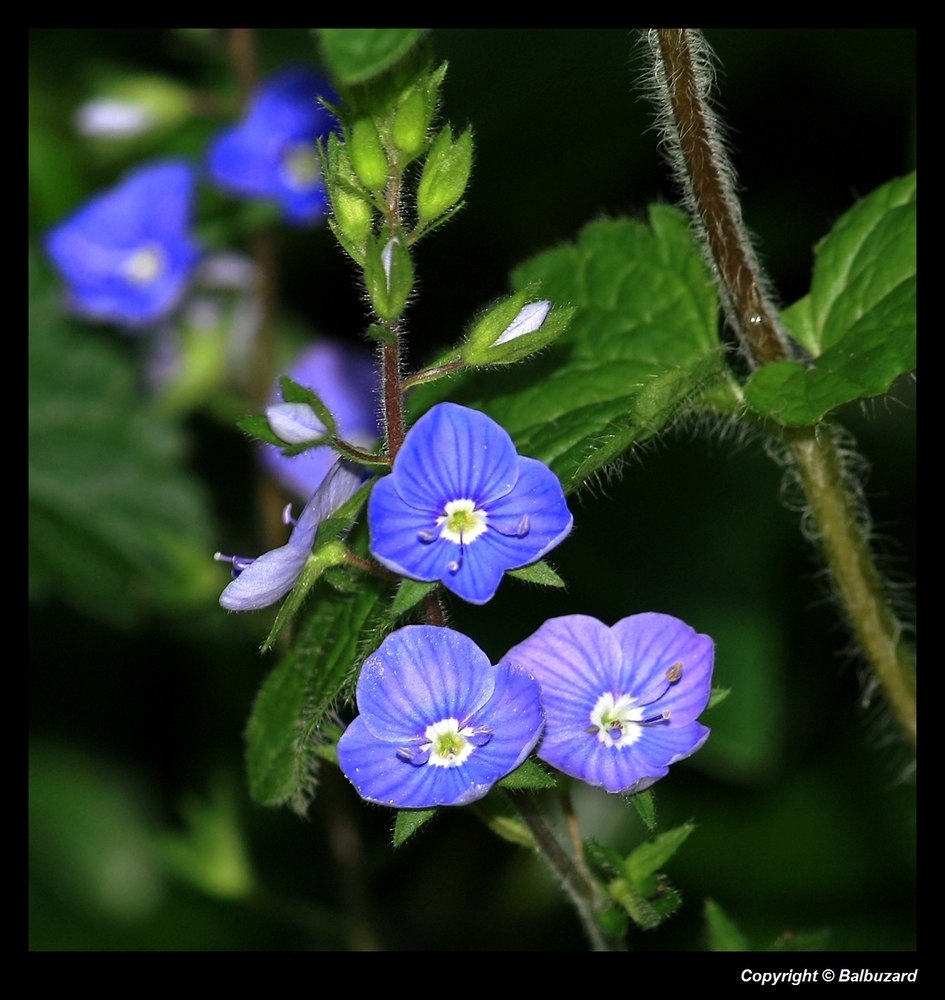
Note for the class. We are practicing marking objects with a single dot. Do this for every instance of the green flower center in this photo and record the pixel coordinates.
(449, 745)
(461, 522)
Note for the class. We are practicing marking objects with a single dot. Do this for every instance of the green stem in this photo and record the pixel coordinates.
(696, 151)
(877, 629)
(581, 890)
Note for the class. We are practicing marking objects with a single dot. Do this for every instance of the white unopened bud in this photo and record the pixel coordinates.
(110, 118)
(528, 320)
(294, 423)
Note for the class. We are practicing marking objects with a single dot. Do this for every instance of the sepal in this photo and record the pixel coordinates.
(445, 175)
(388, 274)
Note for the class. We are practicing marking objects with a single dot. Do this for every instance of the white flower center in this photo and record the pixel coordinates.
(145, 265)
(301, 169)
(449, 745)
(616, 720)
(461, 522)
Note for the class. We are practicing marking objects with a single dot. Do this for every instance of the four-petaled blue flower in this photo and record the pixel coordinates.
(461, 506)
(257, 583)
(128, 254)
(439, 725)
(621, 703)
(273, 152)
(345, 379)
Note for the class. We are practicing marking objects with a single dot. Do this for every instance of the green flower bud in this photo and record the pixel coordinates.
(367, 155)
(388, 274)
(445, 174)
(513, 330)
(353, 212)
(411, 121)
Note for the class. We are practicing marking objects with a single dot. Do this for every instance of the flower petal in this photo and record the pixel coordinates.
(419, 675)
(651, 643)
(422, 675)
(454, 453)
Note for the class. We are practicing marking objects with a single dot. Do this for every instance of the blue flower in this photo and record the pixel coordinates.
(461, 506)
(439, 725)
(621, 703)
(257, 583)
(128, 254)
(345, 378)
(273, 152)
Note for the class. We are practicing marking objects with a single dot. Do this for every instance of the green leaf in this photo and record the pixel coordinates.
(640, 909)
(115, 524)
(649, 857)
(645, 804)
(718, 695)
(408, 822)
(723, 934)
(355, 55)
(257, 426)
(641, 348)
(529, 774)
(409, 594)
(296, 698)
(540, 573)
(859, 319)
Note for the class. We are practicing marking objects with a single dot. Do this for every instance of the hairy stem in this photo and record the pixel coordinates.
(877, 629)
(582, 892)
(683, 76)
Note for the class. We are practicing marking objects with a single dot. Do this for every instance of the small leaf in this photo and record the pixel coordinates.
(257, 426)
(859, 320)
(529, 774)
(645, 804)
(639, 908)
(652, 855)
(540, 573)
(355, 55)
(295, 700)
(409, 594)
(718, 695)
(723, 934)
(408, 822)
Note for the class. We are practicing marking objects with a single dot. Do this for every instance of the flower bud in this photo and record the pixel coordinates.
(411, 120)
(512, 330)
(131, 107)
(367, 155)
(445, 174)
(388, 273)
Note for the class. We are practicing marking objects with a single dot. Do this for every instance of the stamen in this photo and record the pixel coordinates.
(653, 718)
(287, 517)
(521, 529)
(239, 563)
(674, 673)
(417, 756)
(426, 537)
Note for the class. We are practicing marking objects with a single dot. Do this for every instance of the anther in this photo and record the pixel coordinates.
(426, 537)
(674, 673)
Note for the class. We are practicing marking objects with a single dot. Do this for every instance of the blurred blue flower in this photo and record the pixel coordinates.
(259, 582)
(345, 379)
(439, 725)
(273, 152)
(128, 254)
(461, 506)
(621, 703)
